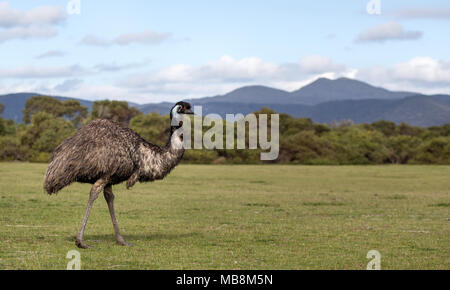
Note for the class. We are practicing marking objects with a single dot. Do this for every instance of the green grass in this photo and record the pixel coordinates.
(235, 217)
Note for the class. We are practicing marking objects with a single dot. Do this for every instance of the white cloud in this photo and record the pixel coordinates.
(27, 32)
(227, 73)
(421, 74)
(31, 72)
(388, 31)
(21, 87)
(51, 53)
(225, 69)
(99, 92)
(42, 15)
(114, 67)
(75, 88)
(228, 69)
(63, 71)
(424, 69)
(145, 37)
(148, 37)
(319, 64)
(39, 22)
(68, 85)
(94, 40)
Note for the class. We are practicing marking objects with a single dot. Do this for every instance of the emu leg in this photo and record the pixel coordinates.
(95, 190)
(109, 196)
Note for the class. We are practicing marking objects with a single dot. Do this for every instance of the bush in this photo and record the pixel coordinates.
(402, 148)
(11, 149)
(355, 145)
(42, 157)
(152, 127)
(434, 151)
(200, 156)
(46, 132)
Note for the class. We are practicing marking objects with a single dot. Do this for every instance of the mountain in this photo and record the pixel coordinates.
(323, 101)
(423, 111)
(319, 91)
(324, 90)
(161, 108)
(249, 95)
(417, 110)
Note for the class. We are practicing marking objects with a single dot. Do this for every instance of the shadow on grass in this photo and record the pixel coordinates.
(441, 204)
(320, 203)
(142, 237)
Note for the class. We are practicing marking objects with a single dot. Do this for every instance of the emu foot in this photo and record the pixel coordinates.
(123, 243)
(82, 245)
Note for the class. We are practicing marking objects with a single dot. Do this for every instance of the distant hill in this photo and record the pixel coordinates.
(418, 110)
(325, 90)
(323, 100)
(319, 91)
(249, 95)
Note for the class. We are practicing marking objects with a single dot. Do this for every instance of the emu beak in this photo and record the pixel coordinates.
(188, 112)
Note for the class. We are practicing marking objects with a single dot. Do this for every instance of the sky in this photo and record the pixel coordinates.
(153, 51)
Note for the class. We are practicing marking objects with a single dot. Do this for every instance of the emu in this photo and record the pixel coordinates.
(105, 153)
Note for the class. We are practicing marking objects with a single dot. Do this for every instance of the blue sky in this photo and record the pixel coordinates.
(152, 51)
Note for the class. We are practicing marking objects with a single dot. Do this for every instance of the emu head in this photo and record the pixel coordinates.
(177, 112)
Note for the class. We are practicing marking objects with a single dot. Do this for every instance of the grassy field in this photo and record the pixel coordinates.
(235, 217)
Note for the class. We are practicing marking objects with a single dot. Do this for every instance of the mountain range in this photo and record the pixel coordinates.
(323, 100)
(320, 91)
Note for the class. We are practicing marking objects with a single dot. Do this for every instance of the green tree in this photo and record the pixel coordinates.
(200, 156)
(402, 148)
(2, 121)
(44, 134)
(406, 129)
(443, 131)
(11, 149)
(152, 127)
(74, 111)
(118, 111)
(2, 127)
(354, 145)
(306, 147)
(388, 128)
(321, 129)
(295, 125)
(70, 109)
(434, 151)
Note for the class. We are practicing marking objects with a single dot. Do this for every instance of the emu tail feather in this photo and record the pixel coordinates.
(59, 175)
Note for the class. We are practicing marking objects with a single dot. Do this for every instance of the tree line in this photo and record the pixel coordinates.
(48, 121)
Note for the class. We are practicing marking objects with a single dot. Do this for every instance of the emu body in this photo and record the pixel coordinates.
(105, 153)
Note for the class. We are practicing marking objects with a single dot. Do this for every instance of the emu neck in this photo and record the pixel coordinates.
(157, 162)
(175, 142)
